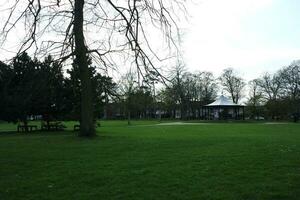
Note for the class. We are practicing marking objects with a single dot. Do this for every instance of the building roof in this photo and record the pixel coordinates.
(223, 101)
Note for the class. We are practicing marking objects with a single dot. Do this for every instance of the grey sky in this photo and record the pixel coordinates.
(252, 36)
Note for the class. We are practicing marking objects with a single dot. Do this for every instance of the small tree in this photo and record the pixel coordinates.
(177, 87)
(232, 83)
(127, 87)
(105, 89)
(255, 100)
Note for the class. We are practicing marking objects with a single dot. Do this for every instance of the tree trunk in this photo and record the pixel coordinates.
(26, 124)
(128, 117)
(87, 127)
(48, 124)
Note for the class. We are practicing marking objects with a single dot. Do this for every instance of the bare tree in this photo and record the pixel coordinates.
(271, 86)
(255, 98)
(232, 83)
(127, 86)
(290, 78)
(206, 86)
(177, 75)
(255, 93)
(93, 29)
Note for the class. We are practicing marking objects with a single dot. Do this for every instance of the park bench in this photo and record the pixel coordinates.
(26, 127)
(52, 126)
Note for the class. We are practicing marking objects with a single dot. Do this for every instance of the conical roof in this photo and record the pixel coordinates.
(223, 101)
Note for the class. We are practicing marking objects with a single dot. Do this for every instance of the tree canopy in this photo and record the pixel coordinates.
(97, 30)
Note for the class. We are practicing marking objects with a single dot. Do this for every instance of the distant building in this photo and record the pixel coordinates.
(223, 109)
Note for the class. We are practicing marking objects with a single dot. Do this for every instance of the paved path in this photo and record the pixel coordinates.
(271, 123)
(181, 123)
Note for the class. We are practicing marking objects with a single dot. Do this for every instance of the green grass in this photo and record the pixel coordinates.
(144, 161)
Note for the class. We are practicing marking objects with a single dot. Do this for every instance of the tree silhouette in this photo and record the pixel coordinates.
(232, 83)
(100, 30)
(22, 90)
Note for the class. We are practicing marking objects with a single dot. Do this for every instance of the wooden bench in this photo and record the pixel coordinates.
(26, 127)
(56, 126)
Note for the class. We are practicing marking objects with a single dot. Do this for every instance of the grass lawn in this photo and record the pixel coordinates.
(145, 161)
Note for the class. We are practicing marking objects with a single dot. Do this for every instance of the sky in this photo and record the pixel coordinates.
(251, 36)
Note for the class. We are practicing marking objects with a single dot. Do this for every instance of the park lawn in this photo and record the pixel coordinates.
(8, 127)
(147, 161)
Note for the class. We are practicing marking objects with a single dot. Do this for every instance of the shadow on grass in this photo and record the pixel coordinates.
(70, 133)
(35, 133)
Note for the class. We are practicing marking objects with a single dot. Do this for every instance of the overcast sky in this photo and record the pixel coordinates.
(252, 36)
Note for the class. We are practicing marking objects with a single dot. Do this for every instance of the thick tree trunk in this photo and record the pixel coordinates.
(87, 126)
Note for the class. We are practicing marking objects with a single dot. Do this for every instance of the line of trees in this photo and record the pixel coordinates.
(29, 87)
(276, 96)
(270, 96)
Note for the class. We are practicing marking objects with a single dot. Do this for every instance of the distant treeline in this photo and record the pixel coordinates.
(30, 87)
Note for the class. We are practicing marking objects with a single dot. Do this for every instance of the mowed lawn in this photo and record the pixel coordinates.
(147, 161)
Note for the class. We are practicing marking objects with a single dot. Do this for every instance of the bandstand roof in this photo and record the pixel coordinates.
(223, 101)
